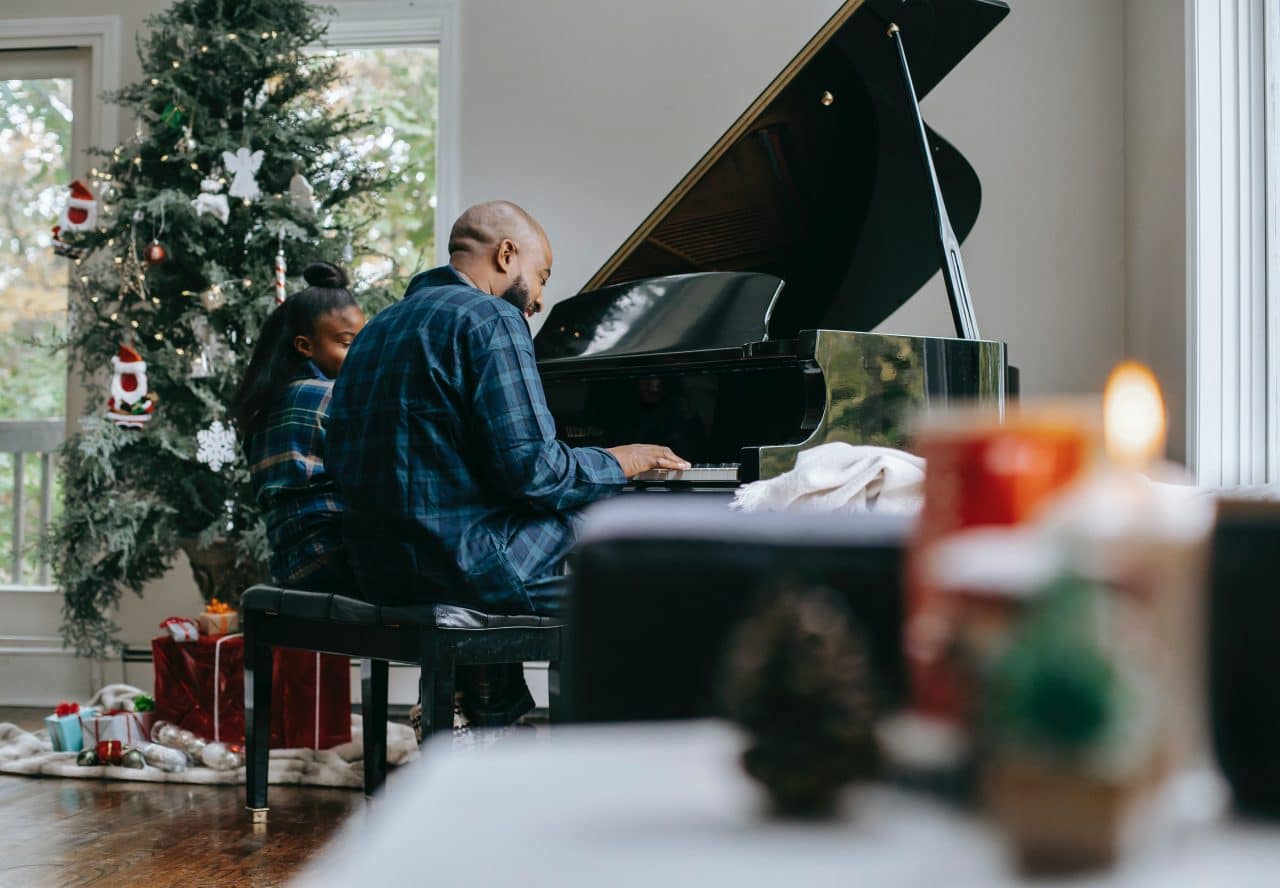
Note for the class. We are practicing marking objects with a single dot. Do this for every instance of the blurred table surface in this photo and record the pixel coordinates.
(667, 805)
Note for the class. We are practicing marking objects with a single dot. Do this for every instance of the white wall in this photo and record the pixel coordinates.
(587, 112)
(1156, 200)
(1038, 110)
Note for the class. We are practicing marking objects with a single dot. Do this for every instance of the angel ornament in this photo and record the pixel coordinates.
(210, 200)
(243, 166)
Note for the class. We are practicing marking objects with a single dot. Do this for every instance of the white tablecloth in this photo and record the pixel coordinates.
(666, 805)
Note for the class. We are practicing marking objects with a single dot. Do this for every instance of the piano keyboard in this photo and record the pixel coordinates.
(700, 472)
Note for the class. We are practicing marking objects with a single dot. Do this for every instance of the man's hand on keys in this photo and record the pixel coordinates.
(638, 458)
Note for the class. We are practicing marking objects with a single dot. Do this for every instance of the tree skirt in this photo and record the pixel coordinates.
(31, 753)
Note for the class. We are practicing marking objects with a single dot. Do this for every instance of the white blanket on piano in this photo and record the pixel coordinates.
(841, 478)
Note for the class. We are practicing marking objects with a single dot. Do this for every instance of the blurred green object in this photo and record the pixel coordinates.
(1056, 690)
(144, 703)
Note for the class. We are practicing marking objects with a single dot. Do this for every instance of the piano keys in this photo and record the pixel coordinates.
(732, 324)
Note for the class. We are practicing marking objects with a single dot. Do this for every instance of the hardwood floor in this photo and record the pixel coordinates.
(68, 832)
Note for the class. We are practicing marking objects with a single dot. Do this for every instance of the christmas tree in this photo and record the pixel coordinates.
(238, 171)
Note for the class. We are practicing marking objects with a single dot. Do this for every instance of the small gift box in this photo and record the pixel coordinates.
(218, 619)
(181, 628)
(109, 752)
(130, 728)
(64, 726)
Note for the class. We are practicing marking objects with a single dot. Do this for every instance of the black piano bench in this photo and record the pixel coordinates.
(436, 637)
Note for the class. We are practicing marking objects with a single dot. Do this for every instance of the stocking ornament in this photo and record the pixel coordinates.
(130, 404)
(211, 201)
(80, 214)
(243, 166)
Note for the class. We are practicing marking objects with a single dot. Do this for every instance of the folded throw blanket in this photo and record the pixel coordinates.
(841, 478)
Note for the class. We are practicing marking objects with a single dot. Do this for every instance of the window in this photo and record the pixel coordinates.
(35, 152)
(397, 87)
(1233, 240)
(398, 60)
(42, 130)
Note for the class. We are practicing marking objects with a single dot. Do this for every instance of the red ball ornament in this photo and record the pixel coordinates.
(155, 253)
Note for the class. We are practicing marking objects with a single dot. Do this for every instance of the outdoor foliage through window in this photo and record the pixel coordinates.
(35, 142)
(399, 88)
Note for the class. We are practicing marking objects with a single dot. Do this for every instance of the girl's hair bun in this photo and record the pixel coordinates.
(325, 274)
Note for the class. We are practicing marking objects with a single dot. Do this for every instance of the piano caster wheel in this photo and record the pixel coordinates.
(259, 815)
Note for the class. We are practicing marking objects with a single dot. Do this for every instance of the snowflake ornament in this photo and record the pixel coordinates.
(216, 445)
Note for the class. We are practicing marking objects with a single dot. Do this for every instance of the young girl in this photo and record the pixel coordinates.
(281, 408)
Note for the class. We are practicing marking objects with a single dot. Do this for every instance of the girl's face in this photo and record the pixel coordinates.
(327, 347)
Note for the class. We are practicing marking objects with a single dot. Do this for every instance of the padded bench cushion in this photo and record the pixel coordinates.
(341, 609)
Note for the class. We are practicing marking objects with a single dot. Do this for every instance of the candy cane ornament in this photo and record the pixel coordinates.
(281, 268)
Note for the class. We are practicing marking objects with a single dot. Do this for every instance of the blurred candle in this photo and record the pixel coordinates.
(1147, 541)
(1133, 417)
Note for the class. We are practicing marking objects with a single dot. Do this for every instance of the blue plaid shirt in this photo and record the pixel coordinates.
(440, 439)
(298, 498)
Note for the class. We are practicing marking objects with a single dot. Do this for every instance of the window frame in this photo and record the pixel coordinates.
(100, 34)
(383, 24)
(1233, 241)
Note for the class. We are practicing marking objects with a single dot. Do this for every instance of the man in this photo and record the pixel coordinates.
(455, 487)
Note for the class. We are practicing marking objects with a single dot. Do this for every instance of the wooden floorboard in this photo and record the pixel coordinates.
(69, 832)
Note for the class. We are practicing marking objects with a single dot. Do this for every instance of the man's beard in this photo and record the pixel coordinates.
(518, 295)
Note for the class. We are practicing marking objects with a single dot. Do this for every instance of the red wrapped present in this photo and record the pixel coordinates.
(310, 700)
(200, 687)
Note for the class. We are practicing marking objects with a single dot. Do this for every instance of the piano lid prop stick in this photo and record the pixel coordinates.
(952, 265)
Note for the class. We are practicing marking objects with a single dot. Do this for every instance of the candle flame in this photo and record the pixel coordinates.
(1133, 416)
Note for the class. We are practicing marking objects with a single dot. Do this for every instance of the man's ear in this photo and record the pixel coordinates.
(506, 254)
(303, 346)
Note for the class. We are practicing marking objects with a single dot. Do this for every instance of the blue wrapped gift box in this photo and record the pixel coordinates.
(64, 730)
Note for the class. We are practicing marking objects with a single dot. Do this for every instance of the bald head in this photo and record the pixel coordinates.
(504, 251)
(482, 226)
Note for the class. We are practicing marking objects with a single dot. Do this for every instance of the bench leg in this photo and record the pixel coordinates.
(373, 699)
(445, 684)
(257, 718)
(427, 686)
(555, 693)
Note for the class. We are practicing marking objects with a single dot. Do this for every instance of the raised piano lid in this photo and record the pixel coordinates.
(818, 183)
(679, 313)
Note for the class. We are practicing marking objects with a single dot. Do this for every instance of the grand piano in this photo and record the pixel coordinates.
(732, 325)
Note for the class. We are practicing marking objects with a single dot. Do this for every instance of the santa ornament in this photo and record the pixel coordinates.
(80, 214)
(130, 404)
